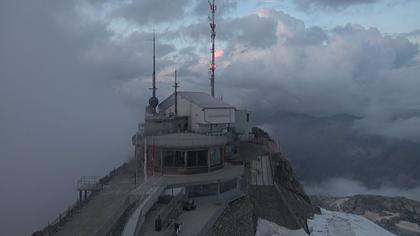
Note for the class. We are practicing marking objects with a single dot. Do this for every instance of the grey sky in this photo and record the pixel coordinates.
(74, 79)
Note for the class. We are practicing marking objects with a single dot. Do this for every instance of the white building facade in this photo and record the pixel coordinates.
(205, 113)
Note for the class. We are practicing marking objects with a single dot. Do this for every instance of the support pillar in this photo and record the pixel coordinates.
(208, 160)
(218, 192)
(185, 159)
(161, 162)
(80, 196)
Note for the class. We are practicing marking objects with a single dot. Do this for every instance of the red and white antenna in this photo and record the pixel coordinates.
(213, 36)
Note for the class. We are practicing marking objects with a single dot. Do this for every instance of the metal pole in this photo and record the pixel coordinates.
(145, 159)
(154, 65)
(136, 163)
(153, 156)
(176, 96)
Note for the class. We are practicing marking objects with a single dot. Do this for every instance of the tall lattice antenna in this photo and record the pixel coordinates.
(212, 68)
(154, 65)
(154, 101)
(176, 86)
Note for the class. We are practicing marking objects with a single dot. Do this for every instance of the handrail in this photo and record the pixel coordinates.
(54, 225)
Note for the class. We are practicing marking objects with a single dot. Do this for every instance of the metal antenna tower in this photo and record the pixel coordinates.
(212, 68)
(154, 101)
(154, 65)
(176, 86)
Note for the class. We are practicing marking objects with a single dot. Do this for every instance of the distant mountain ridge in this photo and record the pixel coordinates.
(328, 147)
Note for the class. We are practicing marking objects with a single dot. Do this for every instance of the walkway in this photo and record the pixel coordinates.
(261, 173)
(103, 209)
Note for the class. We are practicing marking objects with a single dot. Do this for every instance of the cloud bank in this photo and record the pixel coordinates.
(75, 76)
(332, 4)
(341, 187)
(347, 70)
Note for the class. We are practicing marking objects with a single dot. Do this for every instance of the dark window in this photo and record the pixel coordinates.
(202, 158)
(168, 158)
(197, 158)
(179, 159)
(247, 117)
(192, 159)
(159, 158)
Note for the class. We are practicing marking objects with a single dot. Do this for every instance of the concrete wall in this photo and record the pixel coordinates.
(219, 116)
(243, 125)
(164, 126)
(199, 117)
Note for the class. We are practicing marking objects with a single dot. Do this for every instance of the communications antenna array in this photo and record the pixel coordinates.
(212, 68)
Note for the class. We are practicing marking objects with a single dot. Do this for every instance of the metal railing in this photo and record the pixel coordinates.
(89, 183)
(54, 226)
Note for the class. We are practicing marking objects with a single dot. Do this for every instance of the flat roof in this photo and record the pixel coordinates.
(201, 99)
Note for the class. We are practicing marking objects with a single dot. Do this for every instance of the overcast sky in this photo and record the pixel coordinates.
(74, 77)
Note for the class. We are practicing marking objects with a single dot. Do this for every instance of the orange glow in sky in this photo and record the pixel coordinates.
(219, 53)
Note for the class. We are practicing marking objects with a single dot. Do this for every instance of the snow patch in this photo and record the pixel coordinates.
(330, 223)
(268, 228)
(413, 227)
(376, 217)
(342, 224)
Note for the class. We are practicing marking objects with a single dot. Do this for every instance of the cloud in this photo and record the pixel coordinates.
(75, 76)
(330, 4)
(348, 70)
(154, 12)
(223, 7)
(341, 187)
(413, 33)
(61, 114)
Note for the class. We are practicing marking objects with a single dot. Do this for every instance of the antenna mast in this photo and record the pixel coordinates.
(154, 101)
(176, 86)
(213, 36)
(154, 65)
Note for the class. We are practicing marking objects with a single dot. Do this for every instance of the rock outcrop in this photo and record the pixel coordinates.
(284, 203)
(292, 192)
(237, 219)
(285, 177)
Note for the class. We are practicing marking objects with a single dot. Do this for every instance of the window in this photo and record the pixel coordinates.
(179, 159)
(247, 117)
(173, 158)
(202, 158)
(191, 159)
(197, 158)
(168, 158)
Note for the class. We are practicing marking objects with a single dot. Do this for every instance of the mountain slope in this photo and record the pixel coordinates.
(396, 214)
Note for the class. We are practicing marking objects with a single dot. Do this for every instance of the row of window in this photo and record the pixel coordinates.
(194, 158)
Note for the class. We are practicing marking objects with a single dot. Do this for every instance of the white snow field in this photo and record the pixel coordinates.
(329, 223)
(333, 223)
